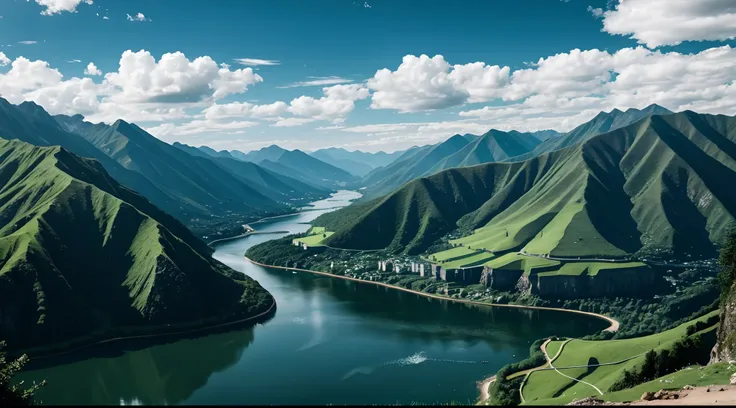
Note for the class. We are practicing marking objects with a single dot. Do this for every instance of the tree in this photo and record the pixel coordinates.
(727, 261)
(14, 394)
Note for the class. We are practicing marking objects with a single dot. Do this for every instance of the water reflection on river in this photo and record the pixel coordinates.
(331, 341)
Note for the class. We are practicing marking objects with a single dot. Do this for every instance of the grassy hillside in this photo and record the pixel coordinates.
(657, 186)
(83, 256)
(607, 360)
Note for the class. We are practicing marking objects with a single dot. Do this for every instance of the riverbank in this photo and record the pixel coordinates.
(196, 327)
(614, 324)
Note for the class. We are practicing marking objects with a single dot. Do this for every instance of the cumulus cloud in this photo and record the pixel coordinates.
(138, 17)
(176, 79)
(4, 60)
(92, 70)
(339, 100)
(319, 81)
(142, 89)
(670, 22)
(58, 6)
(423, 83)
(253, 62)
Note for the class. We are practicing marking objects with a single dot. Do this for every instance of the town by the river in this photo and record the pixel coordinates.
(331, 341)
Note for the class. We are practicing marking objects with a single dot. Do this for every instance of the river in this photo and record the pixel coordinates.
(331, 341)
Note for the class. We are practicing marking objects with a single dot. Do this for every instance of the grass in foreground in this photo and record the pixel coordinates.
(549, 384)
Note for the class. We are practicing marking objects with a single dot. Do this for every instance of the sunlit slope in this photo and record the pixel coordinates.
(661, 184)
(82, 255)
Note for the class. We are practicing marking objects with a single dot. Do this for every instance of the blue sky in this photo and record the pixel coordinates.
(345, 43)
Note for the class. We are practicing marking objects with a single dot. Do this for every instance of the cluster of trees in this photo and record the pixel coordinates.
(14, 394)
(685, 352)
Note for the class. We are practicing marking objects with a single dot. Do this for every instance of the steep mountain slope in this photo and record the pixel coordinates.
(83, 257)
(411, 165)
(300, 166)
(208, 188)
(602, 123)
(28, 122)
(214, 153)
(356, 162)
(272, 185)
(494, 146)
(660, 185)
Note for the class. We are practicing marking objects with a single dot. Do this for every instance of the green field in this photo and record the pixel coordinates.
(316, 237)
(542, 386)
(592, 268)
(451, 254)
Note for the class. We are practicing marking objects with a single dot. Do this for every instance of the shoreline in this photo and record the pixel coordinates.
(614, 324)
(153, 335)
(484, 386)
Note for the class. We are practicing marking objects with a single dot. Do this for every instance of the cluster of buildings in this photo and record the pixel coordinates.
(469, 276)
(398, 267)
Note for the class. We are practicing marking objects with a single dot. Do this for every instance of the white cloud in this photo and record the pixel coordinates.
(290, 122)
(142, 89)
(319, 81)
(245, 109)
(174, 78)
(4, 60)
(252, 62)
(169, 131)
(59, 6)
(138, 17)
(670, 22)
(338, 102)
(27, 42)
(74, 61)
(423, 83)
(92, 70)
(596, 12)
(105, 18)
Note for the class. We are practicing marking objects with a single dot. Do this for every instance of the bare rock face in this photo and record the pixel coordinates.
(732, 381)
(725, 349)
(647, 396)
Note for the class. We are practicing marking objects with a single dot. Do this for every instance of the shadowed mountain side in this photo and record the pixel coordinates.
(273, 185)
(300, 166)
(82, 257)
(643, 187)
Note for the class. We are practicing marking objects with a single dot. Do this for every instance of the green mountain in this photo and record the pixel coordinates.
(602, 123)
(209, 190)
(356, 162)
(457, 151)
(82, 257)
(300, 166)
(662, 185)
(273, 185)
